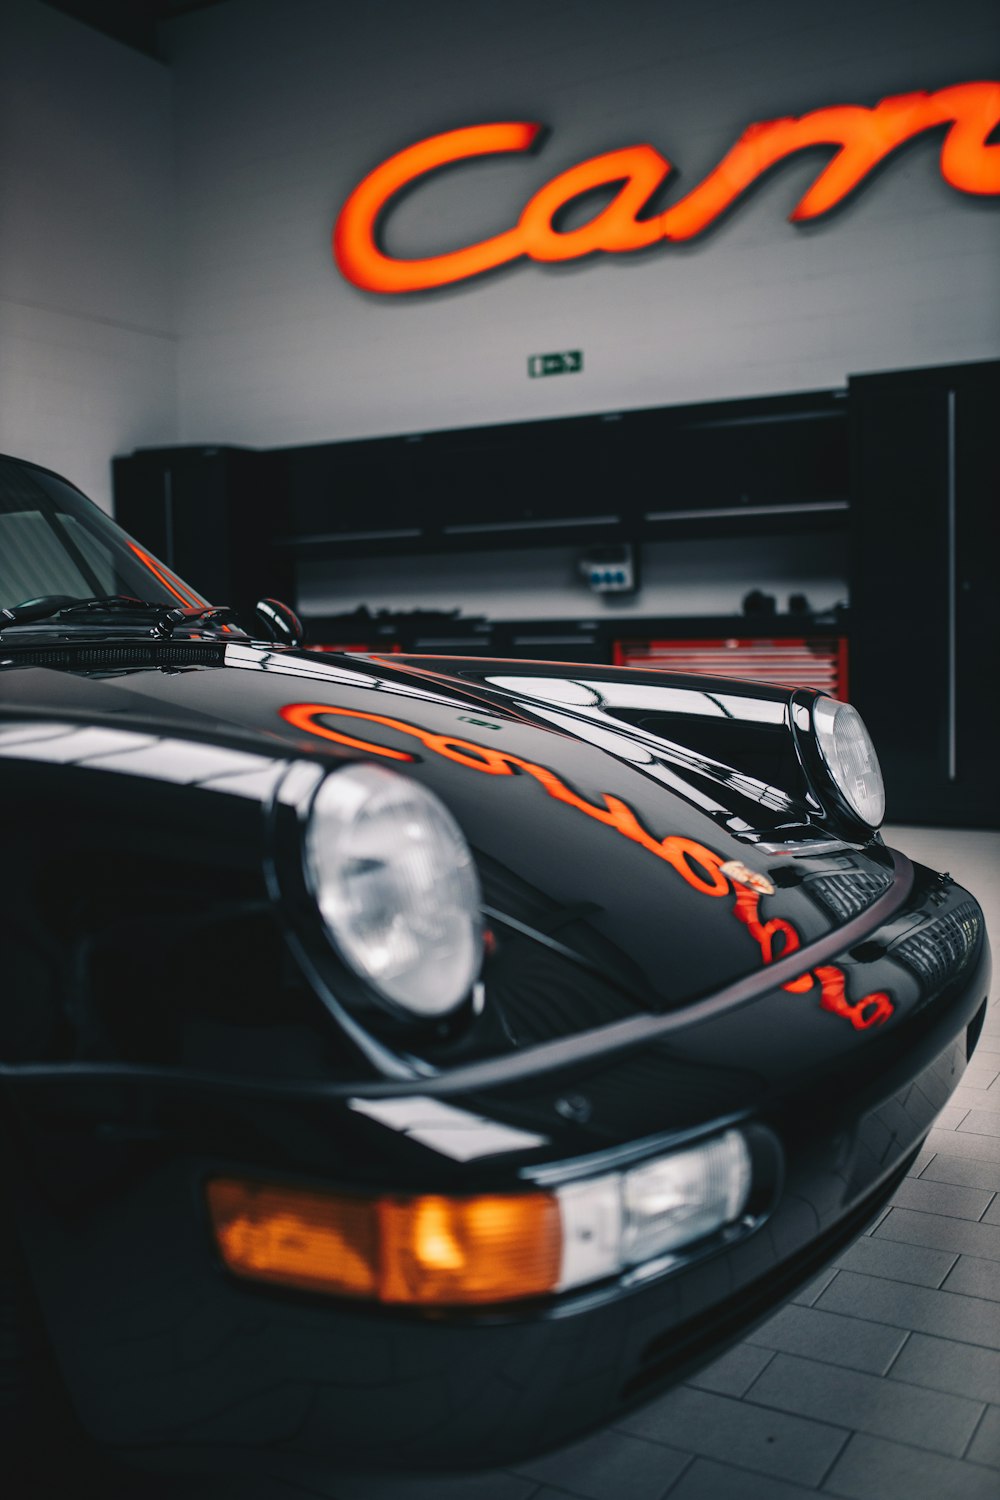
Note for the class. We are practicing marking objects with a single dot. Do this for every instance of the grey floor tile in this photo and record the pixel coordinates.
(969, 1320)
(922, 1159)
(975, 1278)
(874, 1469)
(869, 1403)
(735, 1372)
(980, 1122)
(985, 1446)
(981, 1072)
(942, 1198)
(751, 1437)
(939, 1233)
(855, 1343)
(951, 1117)
(969, 1098)
(898, 1261)
(876, 1220)
(944, 1365)
(814, 1289)
(608, 1466)
(971, 854)
(706, 1480)
(962, 1172)
(992, 1214)
(959, 1143)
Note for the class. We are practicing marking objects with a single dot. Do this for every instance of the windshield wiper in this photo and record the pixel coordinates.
(35, 609)
(57, 606)
(168, 619)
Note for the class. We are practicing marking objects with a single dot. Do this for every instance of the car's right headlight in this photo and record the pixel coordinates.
(396, 885)
(849, 758)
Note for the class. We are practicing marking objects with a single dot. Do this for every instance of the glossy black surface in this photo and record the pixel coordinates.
(925, 450)
(683, 930)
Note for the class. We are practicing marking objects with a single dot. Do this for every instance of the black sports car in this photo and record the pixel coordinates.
(417, 1060)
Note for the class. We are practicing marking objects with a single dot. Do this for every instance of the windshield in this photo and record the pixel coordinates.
(53, 541)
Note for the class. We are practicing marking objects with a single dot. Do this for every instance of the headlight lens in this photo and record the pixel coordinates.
(634, 1217)
(849, 756)
(685, 1196)
(396, 885)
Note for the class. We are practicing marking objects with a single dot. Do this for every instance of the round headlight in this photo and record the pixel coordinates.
(849, 756)
(396, 885)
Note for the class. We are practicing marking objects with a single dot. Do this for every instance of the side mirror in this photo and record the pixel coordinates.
(281, 624)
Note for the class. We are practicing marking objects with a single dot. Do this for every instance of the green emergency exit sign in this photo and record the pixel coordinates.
(570, 362)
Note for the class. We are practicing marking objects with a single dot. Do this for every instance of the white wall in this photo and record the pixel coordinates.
(115, 291)
(87, 347)
(284, 104)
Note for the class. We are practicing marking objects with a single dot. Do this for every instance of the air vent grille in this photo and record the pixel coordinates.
(87, 658)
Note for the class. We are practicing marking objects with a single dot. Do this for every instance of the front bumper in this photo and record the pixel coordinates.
(170, 1359)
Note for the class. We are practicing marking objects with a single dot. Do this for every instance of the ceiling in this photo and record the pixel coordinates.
(133, 22)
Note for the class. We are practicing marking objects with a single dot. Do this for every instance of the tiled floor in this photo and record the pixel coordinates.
(881, 1381)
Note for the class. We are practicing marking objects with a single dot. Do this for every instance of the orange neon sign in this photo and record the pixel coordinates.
(861, 139)
(699, 866)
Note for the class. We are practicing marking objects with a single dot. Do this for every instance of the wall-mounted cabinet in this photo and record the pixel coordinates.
(745, 461)
(925, 600)
(750, 466)
(447, 491)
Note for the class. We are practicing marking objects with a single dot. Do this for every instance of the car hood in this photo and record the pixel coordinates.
(657, 830)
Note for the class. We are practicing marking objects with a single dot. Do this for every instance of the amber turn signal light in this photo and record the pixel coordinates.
(429, 1250)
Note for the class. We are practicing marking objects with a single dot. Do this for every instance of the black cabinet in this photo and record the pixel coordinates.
(211, 514)
(782, 456)
(752, 467)
(449, 490)
(925, 606)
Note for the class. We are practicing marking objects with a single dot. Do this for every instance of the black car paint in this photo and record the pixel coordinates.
(542, 863)
(179, 1012)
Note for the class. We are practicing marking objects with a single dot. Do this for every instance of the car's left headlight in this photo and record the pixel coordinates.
(396, 885)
